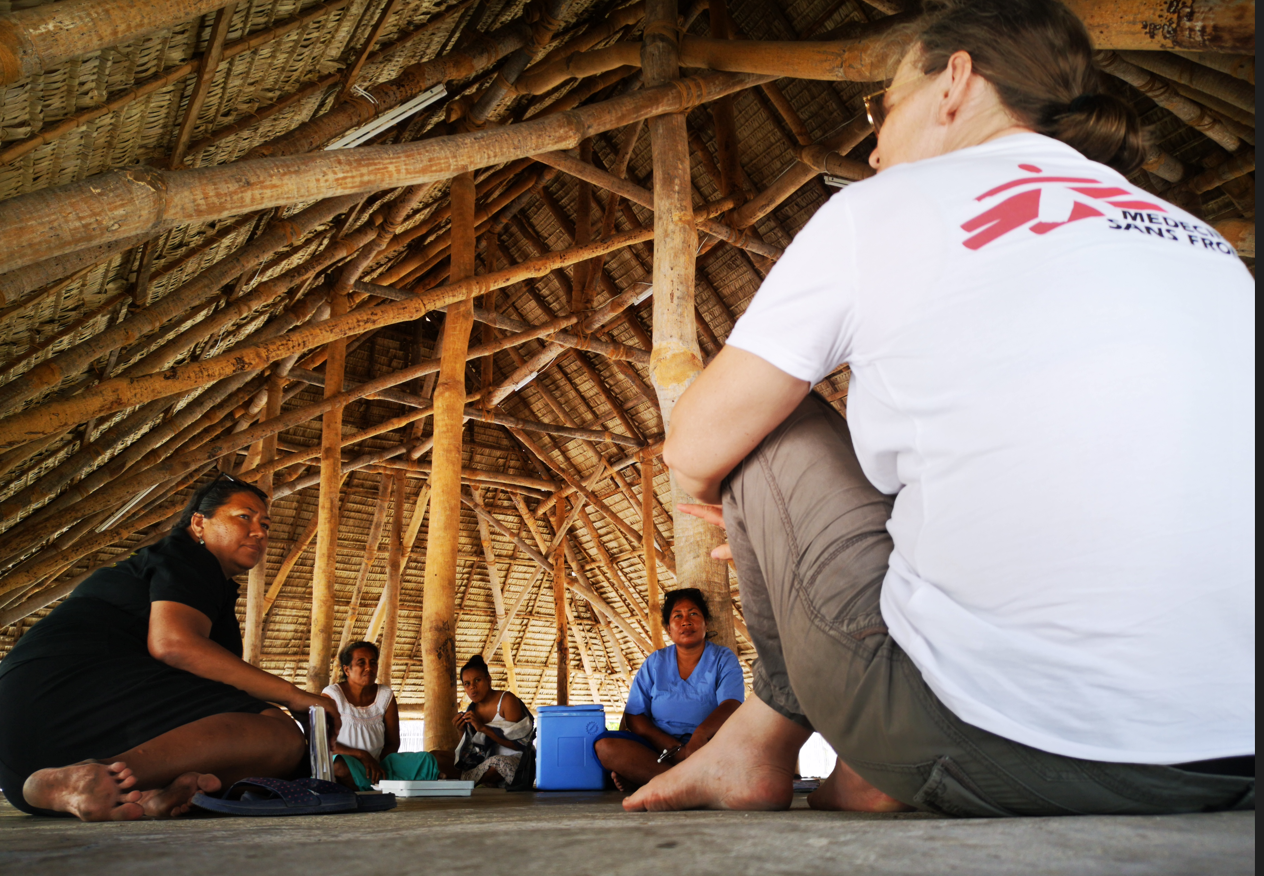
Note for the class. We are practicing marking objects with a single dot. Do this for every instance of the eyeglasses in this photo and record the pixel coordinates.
(876, 105)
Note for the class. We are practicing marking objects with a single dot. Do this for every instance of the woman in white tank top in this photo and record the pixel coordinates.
(367, 748)
(496, 730)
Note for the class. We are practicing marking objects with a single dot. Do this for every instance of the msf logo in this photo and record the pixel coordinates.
(1043, 203)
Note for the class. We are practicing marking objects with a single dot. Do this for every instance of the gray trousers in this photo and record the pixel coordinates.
(809, 538)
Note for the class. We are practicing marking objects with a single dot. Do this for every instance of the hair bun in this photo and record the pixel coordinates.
(1102, 128)
(477, 662)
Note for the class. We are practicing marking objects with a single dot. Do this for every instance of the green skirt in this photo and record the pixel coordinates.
(405, 765)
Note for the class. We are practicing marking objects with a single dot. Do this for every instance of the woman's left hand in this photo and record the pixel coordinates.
(685, 750)
(372, 767)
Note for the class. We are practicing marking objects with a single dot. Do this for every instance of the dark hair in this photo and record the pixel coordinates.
(347, 654)
(685, 594)
(476, 662)
(212, 496)
(1038, 56)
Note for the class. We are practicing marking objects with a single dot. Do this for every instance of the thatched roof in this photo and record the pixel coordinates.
(282, 63)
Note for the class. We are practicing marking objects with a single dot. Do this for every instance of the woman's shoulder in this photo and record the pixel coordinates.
(335, 691)
(720, 654)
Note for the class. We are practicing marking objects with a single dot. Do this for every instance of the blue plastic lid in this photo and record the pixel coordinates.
(597, 707)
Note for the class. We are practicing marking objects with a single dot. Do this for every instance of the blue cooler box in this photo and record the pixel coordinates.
(564, 748)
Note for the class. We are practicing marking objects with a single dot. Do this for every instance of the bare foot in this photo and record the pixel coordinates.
(90, 791)
(846, 791)
(618, 781)
(749, 764)
(176, 798)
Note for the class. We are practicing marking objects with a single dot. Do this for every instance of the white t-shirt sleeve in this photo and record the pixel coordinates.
(800, 319)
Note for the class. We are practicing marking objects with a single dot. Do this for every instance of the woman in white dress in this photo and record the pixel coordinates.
(367, 748)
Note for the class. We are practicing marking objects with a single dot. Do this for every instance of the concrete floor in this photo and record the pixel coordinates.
(588, 833)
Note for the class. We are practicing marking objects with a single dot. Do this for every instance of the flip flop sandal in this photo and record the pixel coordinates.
(272, 797)
(367, 801)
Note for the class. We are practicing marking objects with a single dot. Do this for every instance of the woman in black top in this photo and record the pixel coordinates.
(131, 696)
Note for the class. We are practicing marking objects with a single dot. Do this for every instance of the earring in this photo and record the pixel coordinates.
(201, 541)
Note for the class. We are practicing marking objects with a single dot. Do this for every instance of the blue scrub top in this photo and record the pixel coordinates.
(676, 705)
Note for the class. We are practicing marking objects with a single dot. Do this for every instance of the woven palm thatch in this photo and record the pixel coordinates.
(228, 84)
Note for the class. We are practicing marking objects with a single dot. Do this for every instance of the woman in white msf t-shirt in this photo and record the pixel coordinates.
(1019, 578)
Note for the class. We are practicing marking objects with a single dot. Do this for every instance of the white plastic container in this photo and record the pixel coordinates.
(437, 788)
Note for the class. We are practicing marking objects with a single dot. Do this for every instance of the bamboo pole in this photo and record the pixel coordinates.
(722, 110)
(438, 625)
(1239, 165)
(414, 526)
(324, 575)
(559, 612)
(1197, 25)
(372, 544)
(167, 77)
(584, 659)
(353, 71)
(1240, 233)
(153, 318)
(654, 609)
(638, 195)
(1180, 70)
(207, 66)
(799, 173)
(354, 110)
(32, 40)
(617, 579)
(394, 578)
(498, 598)
(256, 583)
(1166, 96)
(136, 200)
(116, 394)
(664, 556)
(676, 357)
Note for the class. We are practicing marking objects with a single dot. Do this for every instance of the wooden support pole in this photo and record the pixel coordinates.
(256, 583)
(324, 575)
(438, 624)
(654, 601)
(676, 358)
(559, 610)
(207, 66)
(394, 577)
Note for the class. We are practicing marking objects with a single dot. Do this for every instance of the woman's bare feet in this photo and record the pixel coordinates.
(749, 764)
(846, 791)
(176, 798)
(618, 781)
(90, 791)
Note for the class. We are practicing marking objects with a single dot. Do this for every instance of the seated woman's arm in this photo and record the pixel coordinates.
(643, 725)
(735, 402)
(512, 710)
(708, 728)
(179, 636)
(392, 728)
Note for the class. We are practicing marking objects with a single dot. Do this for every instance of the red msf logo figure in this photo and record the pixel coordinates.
(1023, 207)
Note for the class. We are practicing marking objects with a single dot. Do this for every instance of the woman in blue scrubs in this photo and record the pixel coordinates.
(680, 697)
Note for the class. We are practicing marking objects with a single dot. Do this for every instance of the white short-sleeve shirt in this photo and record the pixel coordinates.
(1054, 372)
